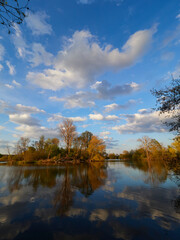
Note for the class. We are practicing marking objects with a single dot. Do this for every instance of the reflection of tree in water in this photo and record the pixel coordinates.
(63, 197)
(175, 177)
(35, 177)
(155, 171)
(15, 180)
(87, 178)
(84, 177)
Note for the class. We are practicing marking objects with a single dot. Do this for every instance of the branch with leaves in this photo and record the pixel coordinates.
(168, 101)
(12, 12)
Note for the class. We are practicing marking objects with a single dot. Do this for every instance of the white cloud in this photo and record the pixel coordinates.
(79, 99)
(12, 70)
(106, 91)
(99, 117)
(24, 119)
(1, 67)
(2, 51)
(36, 131)
(178, 16)
(105, 133)
(111, 117)
(19, 42)
(77, 119)
(9, 86)
(82, 99)
(142, 122)
(16, 83)
(40, 56)
(18, 108)
(83, 59)
(27, 109)
(115, 106)
(34, 53)
(37, 23)
(59, 117)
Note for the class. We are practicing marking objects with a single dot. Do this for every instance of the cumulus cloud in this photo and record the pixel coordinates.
(79, 99)
(12, 70)
(27, 109)
(95, 116)
(100, 90)
(59, 117)
(36, 131)
(83, 59)
(24, 119)
(1, 127)
(142, 122)
(100, 117)
(18, 108)
(40, 56)
(106, 91)
(37, 22)
(115, 106)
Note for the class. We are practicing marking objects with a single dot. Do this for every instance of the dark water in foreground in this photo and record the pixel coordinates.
(102, 201)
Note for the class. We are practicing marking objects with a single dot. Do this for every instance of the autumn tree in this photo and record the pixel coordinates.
(22, 145)
(168, 102)
(51, 147)
(145, 143)
(68, 133)
(96, 149)
(12, 12)
(86, 138)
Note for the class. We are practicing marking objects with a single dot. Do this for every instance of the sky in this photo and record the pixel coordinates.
(92, 61)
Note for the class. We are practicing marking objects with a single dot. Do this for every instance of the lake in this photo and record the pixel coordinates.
(111, 200)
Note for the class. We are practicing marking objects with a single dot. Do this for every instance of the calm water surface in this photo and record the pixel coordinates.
(101, 201)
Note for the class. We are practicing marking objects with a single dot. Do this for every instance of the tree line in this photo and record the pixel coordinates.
(83, 147)
(150, 151)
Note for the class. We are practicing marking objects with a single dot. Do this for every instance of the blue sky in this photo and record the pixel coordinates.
(94, 62)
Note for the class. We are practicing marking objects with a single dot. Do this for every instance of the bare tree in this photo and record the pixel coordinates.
(68, 133)
(22, 145)
(11, 12)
